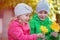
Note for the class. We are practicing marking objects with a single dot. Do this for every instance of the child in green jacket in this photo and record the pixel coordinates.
(40, 23)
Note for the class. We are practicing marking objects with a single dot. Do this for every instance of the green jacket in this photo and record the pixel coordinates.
(36, 23)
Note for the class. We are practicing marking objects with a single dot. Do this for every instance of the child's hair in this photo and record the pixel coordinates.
(13, 18)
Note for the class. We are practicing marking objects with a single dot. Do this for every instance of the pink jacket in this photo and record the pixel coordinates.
(17, 31)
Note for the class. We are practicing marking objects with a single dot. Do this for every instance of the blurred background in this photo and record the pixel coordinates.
(7, 11)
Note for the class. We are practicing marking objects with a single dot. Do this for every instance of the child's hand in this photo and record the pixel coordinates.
(40, 35)
(43, 39)
(55, 34)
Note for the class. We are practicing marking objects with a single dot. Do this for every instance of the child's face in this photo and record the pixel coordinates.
(24, 17)
(42, 14)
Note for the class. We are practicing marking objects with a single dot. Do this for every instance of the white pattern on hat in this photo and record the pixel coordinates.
(22, 8)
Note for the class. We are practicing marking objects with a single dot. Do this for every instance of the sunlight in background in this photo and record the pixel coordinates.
(54, 6)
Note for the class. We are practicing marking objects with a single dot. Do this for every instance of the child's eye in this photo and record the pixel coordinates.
(40, 12)
(26, 15)
(45, 12)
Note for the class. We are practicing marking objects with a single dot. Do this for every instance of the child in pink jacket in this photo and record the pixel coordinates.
(19, 28)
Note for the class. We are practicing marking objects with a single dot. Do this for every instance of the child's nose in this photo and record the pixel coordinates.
(28, 17)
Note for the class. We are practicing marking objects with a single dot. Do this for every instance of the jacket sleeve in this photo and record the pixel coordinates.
(31, 23)
(17, 33)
